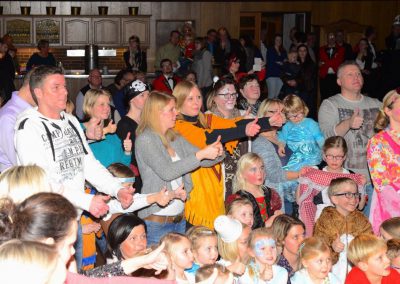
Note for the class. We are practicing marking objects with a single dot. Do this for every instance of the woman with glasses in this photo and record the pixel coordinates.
(383, 154)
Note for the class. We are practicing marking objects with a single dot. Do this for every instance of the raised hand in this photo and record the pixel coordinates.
(94, 129)
(128, 144)
(156, 260)
(337, 244)
(212, 151)
(110, 128)
(252, 128)
(237, 267)
(125, 196)
(90, 228)
(276, 120)
(180, 193)
(163, 197)
(98, 206)
(267, 273)
(356, 120)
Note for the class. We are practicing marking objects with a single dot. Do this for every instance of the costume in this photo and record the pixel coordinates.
(357, 276)
(332, 57)
(161, 83)
(37, 60)
(305, 139)
(302, 277)
(330, 224)
(8, 117)
(280, 276)
(60, 148)
(136, 61)
(384, 164)
(312, 182)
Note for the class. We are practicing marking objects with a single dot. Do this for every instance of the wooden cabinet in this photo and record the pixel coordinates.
(139, 26)
(106, 31)
(76, 31)
(20, 28)
(49, 29)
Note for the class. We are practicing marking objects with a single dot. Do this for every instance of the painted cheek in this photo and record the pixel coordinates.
(252, 178)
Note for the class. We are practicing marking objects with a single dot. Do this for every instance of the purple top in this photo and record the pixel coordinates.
(8, 116)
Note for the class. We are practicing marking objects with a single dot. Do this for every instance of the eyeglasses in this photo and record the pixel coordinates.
(332, 157)
(349, 195)
(228, 96)
(297, 115)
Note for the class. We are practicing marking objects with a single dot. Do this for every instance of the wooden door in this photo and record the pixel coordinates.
(250, 24)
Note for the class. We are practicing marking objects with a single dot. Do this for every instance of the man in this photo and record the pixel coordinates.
(94, 82)
(348, 50)
(351, 115)
(20, 101)
(54, 140)
(7, 73)
(311, 44)
(122, 78)
(211, 40)
(170, 51)
(392, 41)
(167, 81)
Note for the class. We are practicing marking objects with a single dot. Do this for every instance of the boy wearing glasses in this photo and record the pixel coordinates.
(339, 224)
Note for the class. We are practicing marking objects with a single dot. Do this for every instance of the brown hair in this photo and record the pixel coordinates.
(294, 103)
(196, 233)
(120, 170)
(335, 142)
(282, 225)
(382, 120)
(311, 247)
(392, 227)
(216, 88)
(206, 271)
(172, 239)
(393, 246)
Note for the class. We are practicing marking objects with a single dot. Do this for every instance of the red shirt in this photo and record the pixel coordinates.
(357, 276)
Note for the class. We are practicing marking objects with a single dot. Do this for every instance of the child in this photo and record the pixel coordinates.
(390, 228)
(204, 247)
(249, 183)
(241, 209)
(371, 265)
(312, 195)
(178, 248)
(262, 267)
(315, 257)
(393, 253)
(223, 277)
(233, 239)
(290, 75)
(289, 235)
(338, 225)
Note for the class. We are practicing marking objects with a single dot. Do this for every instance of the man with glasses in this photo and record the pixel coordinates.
(351, 115)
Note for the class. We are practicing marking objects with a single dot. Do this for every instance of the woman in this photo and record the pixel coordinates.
(43, 57)
(136, 94)
(166, 159)
(135, 59)
(251, 50)
(202, 65)
(49, 218)
(207, 198)
(250, 91)
(308, 79)
(96, 107)
(276, 54)
(266, 146)
(383, 154)
(233, 68)
(221, 102)
(364, 59)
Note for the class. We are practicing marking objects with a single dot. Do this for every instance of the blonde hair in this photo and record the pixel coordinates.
(37, 261)
(203, 273)
(392, 227)
(244, 162)
(337, 183)
(266, 104)
(21, 182)
(181, 91)
(312, 247)
(237, 203)
(293, 103)
(393, 247)
(90, 99)
(149, 118)
(229, 251)
(172, 239)
(364, 246)
(197, 233)
(382, 120)
(257, 233)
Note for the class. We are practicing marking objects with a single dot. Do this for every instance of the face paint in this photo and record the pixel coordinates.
(261, 244)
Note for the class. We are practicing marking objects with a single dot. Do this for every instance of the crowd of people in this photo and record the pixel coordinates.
(197, 179)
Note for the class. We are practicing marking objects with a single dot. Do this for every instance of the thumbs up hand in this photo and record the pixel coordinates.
(252, 128)
(94, 129)
(356, 120)
(110, 128)
(337, 244)
(212, 151)
(128, 144)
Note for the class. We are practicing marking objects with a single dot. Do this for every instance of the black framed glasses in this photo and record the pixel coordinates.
(228, 96)
(349, 195)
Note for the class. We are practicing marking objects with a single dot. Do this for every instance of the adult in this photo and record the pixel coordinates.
(166, 159)
(340, 41)
(364, 59)
(135, 58)
(331, 56)
(351, 115)
(202, 65)
(167, 81)
(170, 50)
(392, 41)
(136, 94)
(43, 57)
(12, 51)
(383, 154)
(250, 94)
(233, 71)
(276, 54)
(221, 102)
(122, 78)
(7, 73)
(251, 50)
(207, 198)
(20, 101)
(95, 82)
(211, 41)
(312, 46)
(53, 139)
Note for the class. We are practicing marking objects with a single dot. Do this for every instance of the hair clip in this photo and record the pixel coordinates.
(215, 80)
(128, 179)
(10, 219)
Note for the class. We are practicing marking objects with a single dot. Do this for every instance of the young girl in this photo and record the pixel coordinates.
(312, 195)
(178, 247)
(289, 234)
(241, 209)
(204, 247)
(262, 267)
(316, 260)
(249, 184)
(233, 239)
(390, 229)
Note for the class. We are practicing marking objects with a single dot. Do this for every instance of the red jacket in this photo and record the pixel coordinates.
(357, 276)
(333, 62)
(161, 84)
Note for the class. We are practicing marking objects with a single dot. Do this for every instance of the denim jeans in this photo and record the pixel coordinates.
(274, 85)
(78, 246)
(369, 189)
(155, 230)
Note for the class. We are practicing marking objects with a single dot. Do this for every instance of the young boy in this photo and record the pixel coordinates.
(393, 253)
(371, 265)
(338, 225)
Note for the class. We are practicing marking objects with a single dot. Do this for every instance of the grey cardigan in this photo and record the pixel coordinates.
(157, 168)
